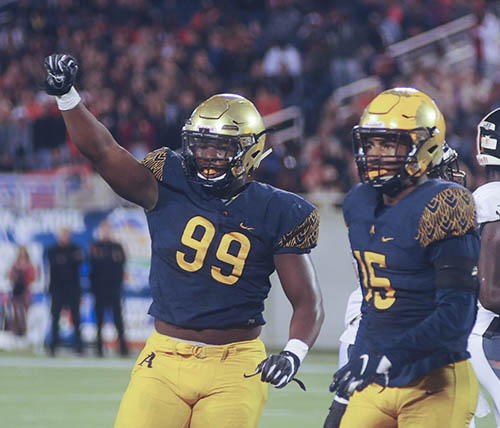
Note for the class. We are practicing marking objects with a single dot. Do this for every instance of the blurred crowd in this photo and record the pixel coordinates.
(145, 65)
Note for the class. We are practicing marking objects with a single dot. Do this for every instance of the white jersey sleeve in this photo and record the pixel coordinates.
(353, 309)
(487, 199)
(352, 317)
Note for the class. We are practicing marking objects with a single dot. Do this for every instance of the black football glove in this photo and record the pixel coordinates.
(279, 369)
(359, 372)
(61, 73)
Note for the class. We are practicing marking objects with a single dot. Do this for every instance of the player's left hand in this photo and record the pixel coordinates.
(359, 372)
(279, 369)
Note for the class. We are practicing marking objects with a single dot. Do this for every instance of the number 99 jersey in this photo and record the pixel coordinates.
(395, 248)
(211, 260)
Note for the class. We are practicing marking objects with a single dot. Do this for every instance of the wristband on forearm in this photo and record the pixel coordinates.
(297, 347)
(69, 100)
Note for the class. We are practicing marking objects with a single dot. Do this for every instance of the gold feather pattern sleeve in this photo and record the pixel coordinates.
(305, 235)
(451, 212)
(155, 161)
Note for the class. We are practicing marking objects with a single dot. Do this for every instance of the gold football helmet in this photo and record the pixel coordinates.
(399, 116)
(223, 143)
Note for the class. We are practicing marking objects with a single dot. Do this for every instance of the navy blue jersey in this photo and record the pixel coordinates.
(211, 260)
(395, 248)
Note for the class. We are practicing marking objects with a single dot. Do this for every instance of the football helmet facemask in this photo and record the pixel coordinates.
(488, 139)
(448, 168)
(223, 143)
(408, 122)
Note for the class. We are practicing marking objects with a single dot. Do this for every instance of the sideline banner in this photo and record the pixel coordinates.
(37, 230)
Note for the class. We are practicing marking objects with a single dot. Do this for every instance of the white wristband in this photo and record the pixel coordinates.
(298, 347)
(68, 100)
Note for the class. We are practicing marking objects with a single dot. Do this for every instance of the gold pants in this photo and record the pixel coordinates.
(445, 398)
(178, 385)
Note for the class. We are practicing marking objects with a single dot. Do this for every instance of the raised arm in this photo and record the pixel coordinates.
(126, 176)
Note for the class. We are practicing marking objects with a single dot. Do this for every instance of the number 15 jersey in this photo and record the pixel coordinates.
(395, 248)
(211, 260)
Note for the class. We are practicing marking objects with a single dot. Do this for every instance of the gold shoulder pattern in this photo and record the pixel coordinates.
(155, 161)
(304, 235)
(450, 213)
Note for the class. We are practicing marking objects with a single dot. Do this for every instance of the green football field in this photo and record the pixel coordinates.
(72, 392)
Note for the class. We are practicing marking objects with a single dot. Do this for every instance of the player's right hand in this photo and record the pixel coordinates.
(359, 372)
(61, 73)
(279, 369)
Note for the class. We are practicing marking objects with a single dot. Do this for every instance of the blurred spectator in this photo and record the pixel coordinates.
(280, 58)
(390, 25)
(64, 259)
(107, 260)
(417, 18)
(49, 135)
(347, 39)
(7, 136)
(21, 275)
(267, 102)
(284, 18)
(386, 68)
(487, 38)
(146, 64)
(324, 157)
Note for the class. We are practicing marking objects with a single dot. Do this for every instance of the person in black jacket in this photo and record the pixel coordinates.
(65, 258)
(107, 260)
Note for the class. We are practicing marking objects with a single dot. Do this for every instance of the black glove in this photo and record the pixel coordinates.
(359, 372)
(61, 73)
(279, 369)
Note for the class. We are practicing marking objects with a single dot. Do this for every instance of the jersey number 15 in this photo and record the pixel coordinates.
(378, 287)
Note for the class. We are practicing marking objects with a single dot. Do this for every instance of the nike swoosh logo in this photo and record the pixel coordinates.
(246, 227)
(384, 239)
(365, 359)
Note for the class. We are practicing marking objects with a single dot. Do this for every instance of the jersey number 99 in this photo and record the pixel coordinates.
(201, 245)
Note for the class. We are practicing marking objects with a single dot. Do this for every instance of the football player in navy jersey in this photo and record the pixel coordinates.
(416, 247)
(216, 239)
(447, 169)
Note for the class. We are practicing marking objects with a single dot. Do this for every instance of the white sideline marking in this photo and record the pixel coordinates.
(61, 397)
(291, 412)
(84, 363)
